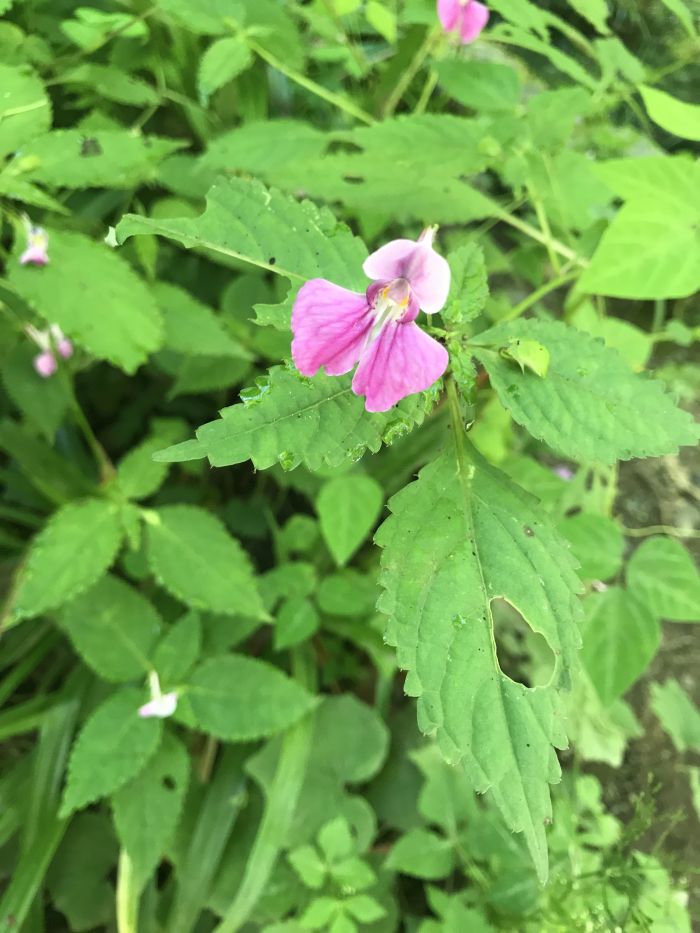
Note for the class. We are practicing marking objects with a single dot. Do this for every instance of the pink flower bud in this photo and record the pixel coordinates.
(65, 348)
(45, 364)
(159, 707)
(36, 253)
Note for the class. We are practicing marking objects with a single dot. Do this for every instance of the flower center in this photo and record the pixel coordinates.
(391, 303)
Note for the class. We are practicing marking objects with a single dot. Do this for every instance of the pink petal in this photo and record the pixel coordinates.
(65, 348)
(474, 17)
(403, 360)
(36, 255)
(159, 707)
(427, 272)
(45, 364)
(448, 12)
(330, 325)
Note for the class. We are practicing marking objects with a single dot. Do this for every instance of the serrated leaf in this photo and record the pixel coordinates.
(193, 328)
(194, 558)
(294, 420)
(673, 115)
(480, 85)
(597, 543)
(459, 537)
(678, 714)
(224, 60)
(590, 406)
(243, 220)
(99, 159)
(621, 636)
(82, 276)
(662, 575)
(147, 809)
(114, 628)
(348, 507)
(138, 475)
(242, 699)
(74, 549)
(44, 402)
(469, 287)
(113, 746)
(25, 110)
(111, 83)
(424, 854)
(178, 650)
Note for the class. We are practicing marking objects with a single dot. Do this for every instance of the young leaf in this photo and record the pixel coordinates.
(194, 558)
(293, 420)
(25, 110)
(147, 809)
(678, 714)
(178, 650)
(241, 699)
(348, 507)
(597, 543)
(296, 621)
(662, 575)
(193, 328)
(589, 406)
(224, 60)
(424, 854)
(469, 287)
(113, 746)
(84, 275)
(459, 537)
(673, 115)
(245, 221)
(74, 549)
(113, 627)
(138, 475)
(620, 639)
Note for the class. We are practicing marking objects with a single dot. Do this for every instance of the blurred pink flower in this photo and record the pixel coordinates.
(336, 328)
(563, 472)
(36, 252)
(159, 707)
(45, 364)
(466, 17)
(49, 341)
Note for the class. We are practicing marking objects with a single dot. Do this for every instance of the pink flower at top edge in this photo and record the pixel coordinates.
(465, 17)
(36, 253)
(335, 328)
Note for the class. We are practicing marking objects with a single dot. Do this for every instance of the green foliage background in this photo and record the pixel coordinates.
(180, 511)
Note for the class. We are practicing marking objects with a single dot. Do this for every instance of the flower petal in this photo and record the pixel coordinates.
(389, 261)
(403, 360)
(448, 11)
(36, 255)
(330, 325)
(159, 707)
(45, 364)
(426, 271)
(474, 17)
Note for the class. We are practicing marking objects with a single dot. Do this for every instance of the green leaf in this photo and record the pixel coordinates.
(382, 19)
(590, 406)
(113, 747)
(528, 354)
(469, 286)
(74, 549)
(480, 85)
(292, 420)
(100, 159)
(632, 343)
(194, 558)
(681, 11)
(56, 477)
(349, 593)
(678, 715)
(112, 83)
(114, 628)
(297, 620)
(178, 650)
(84, 275)
(422, 853)
(651, 248)
(147, 809)
(662, 575)
(348, 508)
(193, 328)
(459, 537)
(335, 839)
(224, 60)
(306, 863)
(245, 221)
(365, 908)
(43, 401)
(241, 699)
(138, 475)
(673, 115)
(597, 543)
(595, 11)
(25, 110)
(621, 637)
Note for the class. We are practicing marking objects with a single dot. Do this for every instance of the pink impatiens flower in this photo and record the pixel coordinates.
(49, 341)
(465, 17)
(36, 252)
(336, 328)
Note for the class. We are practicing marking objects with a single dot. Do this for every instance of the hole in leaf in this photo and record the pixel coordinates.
(354, 179)
(168, 782)
(342, 146)
(523, 655)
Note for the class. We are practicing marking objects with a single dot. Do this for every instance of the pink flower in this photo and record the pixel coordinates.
(45, 364)
(467, 17)
(336, 328)
(63, 344)
(563, 472)
(159, 707)
(36, 252)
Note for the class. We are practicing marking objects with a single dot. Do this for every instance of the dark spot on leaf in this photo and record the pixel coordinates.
(90, 147)
(354, 179)
(528, 531)
(168, 782)
(271, 261)
(342, 145)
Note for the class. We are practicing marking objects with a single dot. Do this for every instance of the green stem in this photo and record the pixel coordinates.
(337, 100)
(107, 471)
(540, 292)
(279, 811)
(428, 88)
(127, 896)
(659, 315)
(414, 66)
(543, 221)
(540, 237)
(660, 530)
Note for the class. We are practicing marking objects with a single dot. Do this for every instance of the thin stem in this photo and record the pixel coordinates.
(543, 221)
(428, 88)
(337, 100)
(107, 471)
(537, 235)
(127, 896)
(279, 811)
(411, 71)
(660, 530)
(25, 108)
(659, 315)
(344, 38)
(540, 292)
